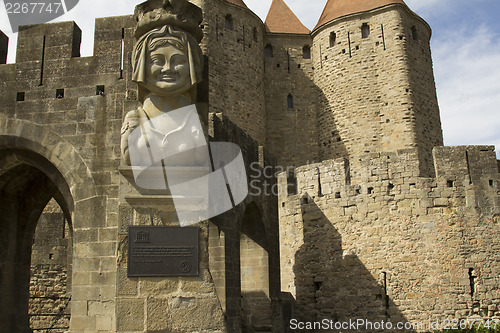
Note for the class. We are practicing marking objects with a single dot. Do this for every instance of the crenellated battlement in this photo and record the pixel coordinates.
(56, 48)
(379, 235)
(465, 176)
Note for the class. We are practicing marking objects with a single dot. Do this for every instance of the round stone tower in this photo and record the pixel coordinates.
(234, 45)
(373, 65)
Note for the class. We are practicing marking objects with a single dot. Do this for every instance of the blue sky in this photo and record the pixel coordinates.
(465, 47)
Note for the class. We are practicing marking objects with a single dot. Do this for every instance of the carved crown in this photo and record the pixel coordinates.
(180, 13)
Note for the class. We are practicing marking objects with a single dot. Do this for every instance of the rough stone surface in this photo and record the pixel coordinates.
(379, 221)
(391, 245)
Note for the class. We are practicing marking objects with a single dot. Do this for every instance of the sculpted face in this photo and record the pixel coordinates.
(168, 71)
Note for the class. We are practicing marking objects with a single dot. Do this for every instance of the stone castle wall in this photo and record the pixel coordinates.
(388, 244)
(54, 92)
(291, 100)
(370, 101)
(367, 235)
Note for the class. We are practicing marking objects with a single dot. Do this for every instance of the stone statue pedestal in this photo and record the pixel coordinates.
(163, 303)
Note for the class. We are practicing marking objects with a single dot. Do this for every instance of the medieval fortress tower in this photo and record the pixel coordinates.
(373, 218)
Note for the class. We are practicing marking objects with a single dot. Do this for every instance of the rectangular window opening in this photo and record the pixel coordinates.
(333, 39)
(60, 93)
(292, 184)
(20, 96)
(365, 30)
(229, 22)
(99, 90)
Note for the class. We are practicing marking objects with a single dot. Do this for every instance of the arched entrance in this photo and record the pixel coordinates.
(28, 181)
(254, 272)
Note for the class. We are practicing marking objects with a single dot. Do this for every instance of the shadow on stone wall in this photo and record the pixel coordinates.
(334, 285)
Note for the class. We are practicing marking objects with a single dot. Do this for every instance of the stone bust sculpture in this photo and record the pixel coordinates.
(167, 66)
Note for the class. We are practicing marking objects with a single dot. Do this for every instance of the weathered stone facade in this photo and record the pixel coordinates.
(379, 91)
(391, 245)
(378, 221)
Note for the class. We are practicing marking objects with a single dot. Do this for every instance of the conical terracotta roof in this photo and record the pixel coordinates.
(281, 19)
(238, 3)
(338, 8)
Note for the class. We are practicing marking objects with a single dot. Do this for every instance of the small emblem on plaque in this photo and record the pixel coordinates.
(184, 266)
(142, 237)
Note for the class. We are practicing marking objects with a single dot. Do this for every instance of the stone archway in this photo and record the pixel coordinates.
(36, 165)
(254, 272)
(27, 183)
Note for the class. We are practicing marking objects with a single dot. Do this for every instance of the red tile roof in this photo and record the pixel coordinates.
(338, 8)
(281, 19)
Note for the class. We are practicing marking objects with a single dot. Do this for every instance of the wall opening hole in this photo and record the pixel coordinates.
(370, 190)
(450, 183)
(357, 47)
(491, 182)
(390, 187)
(333, 39)
(414, 33)
(357, 191)
(283, 204)
(365, 30)
(20, 96)
(337, 195)
(60, 93)
(291, 183)
(229, 22)
(268, 51)
(289, 101)
(306, 52)
(343, 51)
(472, 281)
(51, 256)
(99, 90)
(299, 65)
(278, 65)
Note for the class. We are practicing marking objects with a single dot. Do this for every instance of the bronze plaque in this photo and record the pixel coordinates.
(163, 251)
